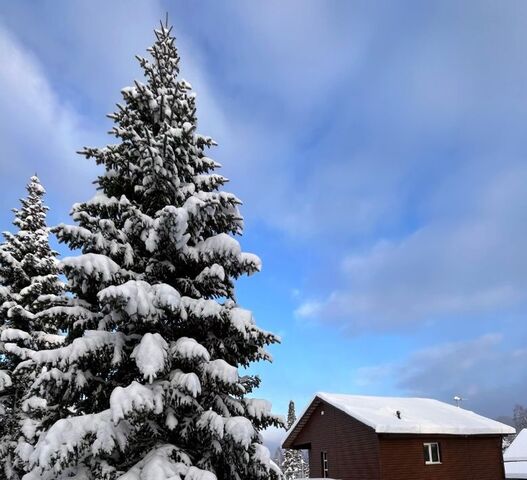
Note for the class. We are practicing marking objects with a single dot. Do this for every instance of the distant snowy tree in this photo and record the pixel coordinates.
(293, 465)
(305, 460)
(147, 384)
(30, 287)
(520, 417)
(278, 457)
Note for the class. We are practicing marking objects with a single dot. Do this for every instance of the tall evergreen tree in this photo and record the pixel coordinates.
(147, 384)
(293, 465)
(30, 287)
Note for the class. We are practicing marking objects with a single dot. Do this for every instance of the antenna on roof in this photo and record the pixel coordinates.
(458, 400)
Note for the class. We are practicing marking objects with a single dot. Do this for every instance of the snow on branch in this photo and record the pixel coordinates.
(241, 430)
(258, 408)
(213, 273)
(186, 382)
(194, 473)
(211, 422)
(13, 334)
(200, 308)
(261, 455)
(158, 464)
(5, 380)
(243, 321)
(34, 403)
(189, 349)
(84, 270)
(219, 246)
(100, 199)
(139, 299)
(135, 398)
(78, 313)
(220, 370)
(49, 339)
(92, 341)
(170, 225)
(68, 437)
(166, 462)
(224, 249)
(151, 355)
(92, 264)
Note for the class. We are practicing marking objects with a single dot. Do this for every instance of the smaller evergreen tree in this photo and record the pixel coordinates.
(30, 286)
(293, 465)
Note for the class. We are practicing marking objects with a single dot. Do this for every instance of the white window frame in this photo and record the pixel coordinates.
(428, 448)
(325, 464)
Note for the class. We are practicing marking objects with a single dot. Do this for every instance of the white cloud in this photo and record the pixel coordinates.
(309, 309)
(472, 263)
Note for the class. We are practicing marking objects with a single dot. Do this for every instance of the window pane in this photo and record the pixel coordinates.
(426, 448)
(325, 470)
(435, 452)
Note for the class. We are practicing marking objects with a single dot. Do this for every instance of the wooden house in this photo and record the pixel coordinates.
(386, 438)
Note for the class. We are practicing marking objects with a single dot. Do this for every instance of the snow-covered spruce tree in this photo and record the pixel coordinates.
(30, 287)
(147, 385)
(292, 464)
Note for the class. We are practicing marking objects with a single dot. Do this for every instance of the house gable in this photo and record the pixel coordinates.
(352, 448)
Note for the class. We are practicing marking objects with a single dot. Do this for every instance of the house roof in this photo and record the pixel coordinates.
(417, 416)
(516, 470)
(517, 450)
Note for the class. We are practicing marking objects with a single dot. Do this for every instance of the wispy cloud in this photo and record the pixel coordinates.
(483, 371)
(38, 131)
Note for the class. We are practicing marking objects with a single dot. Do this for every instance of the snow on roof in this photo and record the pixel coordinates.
(417, 415)
(517, 450)
(516, 470)
(410, 415)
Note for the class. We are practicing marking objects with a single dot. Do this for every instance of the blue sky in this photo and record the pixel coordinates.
(380, 150)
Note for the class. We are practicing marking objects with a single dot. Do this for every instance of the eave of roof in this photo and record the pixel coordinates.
(491, 428)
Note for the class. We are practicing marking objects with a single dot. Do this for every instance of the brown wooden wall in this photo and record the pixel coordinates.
(352, 447)
(462, 458)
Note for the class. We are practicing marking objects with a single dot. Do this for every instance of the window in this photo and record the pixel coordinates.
(432, 454)
(324, 463)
